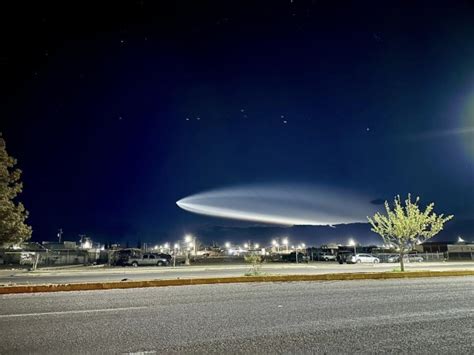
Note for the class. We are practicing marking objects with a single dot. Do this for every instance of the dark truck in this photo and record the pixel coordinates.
(135, 257)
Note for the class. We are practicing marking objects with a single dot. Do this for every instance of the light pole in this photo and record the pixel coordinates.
(352, 243)
(176, 247)
(191, 240)
(275, 244)
(285, 242)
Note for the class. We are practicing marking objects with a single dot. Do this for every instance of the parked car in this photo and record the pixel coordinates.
(165, 256)
(406, 258)
(395, 258)
(414, 258)
(291, 257)
(327, 257)
(147, 259)
(343, 256)
(363, 258)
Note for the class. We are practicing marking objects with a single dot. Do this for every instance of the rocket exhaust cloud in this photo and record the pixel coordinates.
(281, 204)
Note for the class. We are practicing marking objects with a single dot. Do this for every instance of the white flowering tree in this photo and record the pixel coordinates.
(405, 225)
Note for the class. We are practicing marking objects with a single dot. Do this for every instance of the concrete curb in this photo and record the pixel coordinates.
(226, 280)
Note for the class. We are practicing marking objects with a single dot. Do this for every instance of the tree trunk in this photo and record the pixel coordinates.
(402, 266)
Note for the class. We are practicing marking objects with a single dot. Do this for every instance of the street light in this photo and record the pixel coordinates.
(276, 245)
(176, 248)
(227, 245)
(246, 245)
(257, 246)
(285, 242)
(352, 243)
(191, 240)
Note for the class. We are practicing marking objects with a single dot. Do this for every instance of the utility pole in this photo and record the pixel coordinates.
(60, 234)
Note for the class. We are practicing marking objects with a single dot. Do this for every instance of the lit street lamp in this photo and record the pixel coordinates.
(285, 242)
(352, 243)
(191, 240)
(176, 247)
(276, 245)
(191, 243)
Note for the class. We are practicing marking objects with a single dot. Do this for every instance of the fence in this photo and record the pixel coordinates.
(48, 258)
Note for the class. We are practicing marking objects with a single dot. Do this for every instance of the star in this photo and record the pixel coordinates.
(198, 118)
(242, 110)
(187, 118)
(367, 129)
(120, 118)
(285, 121)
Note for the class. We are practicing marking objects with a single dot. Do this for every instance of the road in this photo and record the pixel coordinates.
(404, 316)
(88, 274)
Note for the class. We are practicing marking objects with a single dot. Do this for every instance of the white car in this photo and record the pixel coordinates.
(363, 258)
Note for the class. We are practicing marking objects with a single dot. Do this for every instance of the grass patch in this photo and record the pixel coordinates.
(397, 269)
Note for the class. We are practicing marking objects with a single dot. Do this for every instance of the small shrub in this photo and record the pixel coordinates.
(255, 262)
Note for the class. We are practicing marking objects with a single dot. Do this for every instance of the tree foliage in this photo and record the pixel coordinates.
(13, 229)
(406, 225)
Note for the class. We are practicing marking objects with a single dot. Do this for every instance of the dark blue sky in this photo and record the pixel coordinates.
(116, 111)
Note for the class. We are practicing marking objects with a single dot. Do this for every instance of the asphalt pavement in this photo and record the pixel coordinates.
(94, 274)
(428, 316)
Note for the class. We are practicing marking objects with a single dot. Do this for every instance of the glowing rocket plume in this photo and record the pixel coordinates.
(281, 204)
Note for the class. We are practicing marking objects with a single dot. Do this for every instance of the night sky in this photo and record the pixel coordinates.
(116, 111)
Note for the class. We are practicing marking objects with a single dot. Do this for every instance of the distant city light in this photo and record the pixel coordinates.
(227, 245)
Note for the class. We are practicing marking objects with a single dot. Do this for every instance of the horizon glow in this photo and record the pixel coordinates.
(281, 204)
